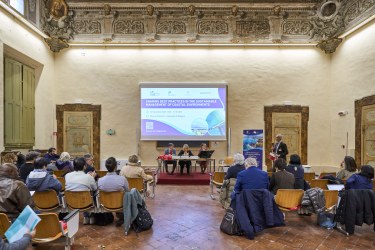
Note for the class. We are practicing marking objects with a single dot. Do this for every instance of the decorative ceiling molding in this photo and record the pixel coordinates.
(204, 22)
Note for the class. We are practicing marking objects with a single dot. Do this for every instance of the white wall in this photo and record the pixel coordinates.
(26, 46)
(256, 77)
(352, 72)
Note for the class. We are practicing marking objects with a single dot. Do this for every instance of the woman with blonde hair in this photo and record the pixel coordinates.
(183, 162)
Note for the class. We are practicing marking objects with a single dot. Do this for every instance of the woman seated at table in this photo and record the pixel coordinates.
(203, 164)
(185, 163)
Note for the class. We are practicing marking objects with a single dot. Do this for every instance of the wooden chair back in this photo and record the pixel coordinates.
(81, 200)
(137, 183)
(62, 181)
(46, 200)
(320, 183)
(48, 229)
(101, 173)
(327, 173)
(309, 176)
(269, 174)
(4, 223)
(59, 173)
(111, 201)
(288, 198)
(331, 197)
(218, 178)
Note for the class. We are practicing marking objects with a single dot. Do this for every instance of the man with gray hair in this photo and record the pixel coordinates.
(279, 148)
(238, 166)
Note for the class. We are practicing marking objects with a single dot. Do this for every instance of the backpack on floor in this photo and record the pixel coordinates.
(143, 221)
(103, 219)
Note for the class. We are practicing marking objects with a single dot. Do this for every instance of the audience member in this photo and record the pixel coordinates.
(281, 179)
(349, 168)
(28, 166)
(112, 182)
(63, 163)
(362, 180)
(41, 180)
(252, 177)
(89, 167)
(79, 181)
(51, 155)
(296, 169)
(20, 244)
(238, 166)
(21, 159)
(10, 158)
(14, 195)
(185, 163)
(133, 170)
(203, 164)
(170, 151)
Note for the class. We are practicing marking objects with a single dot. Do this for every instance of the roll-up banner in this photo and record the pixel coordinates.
(253, 145)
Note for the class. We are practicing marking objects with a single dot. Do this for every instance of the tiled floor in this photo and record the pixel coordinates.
(186, 218)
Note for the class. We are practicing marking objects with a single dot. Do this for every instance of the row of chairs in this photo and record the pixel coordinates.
(50, 228)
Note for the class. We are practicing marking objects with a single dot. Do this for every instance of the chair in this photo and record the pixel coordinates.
(101, 173)
(110, 201)
(59, 173)
(50, 228)
(331, 197)
(4, 223)
(217, 179)
(46, 200)
(139, 184)
(154, 175)
(289, 199)
(327, 173)
(62, 181)
(81, 200)
(309, 176)
(320, 183)
(269, 174)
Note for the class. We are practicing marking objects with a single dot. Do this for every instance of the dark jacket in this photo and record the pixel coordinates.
(357, 181)
(298, 172)
(233, 171)
(251, 178)
(357, 206)
(256, 210)
(25, 170)
(281, 150)
(41, 180)
(14, 195)
(313, 200)
(281, 180)
(65, 166)
(49, 158)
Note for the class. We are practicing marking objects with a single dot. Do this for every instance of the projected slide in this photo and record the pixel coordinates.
(175, 112)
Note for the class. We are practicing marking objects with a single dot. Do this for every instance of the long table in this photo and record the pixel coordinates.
(209, 160)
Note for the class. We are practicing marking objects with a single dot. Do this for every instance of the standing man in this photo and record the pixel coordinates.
(279, 148)
(170, 151)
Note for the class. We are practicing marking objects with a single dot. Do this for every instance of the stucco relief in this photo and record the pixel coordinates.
(257, 28)
(296, 27)
(170, 27)
(129, 27)
(87, 27)
(370, 116)
(212, 27)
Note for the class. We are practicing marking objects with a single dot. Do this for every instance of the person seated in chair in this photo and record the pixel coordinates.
(185, 163)
(28, 166)
(362, 180)
(203, 164)
(14, 195)
(40, 179)
(296, 169)
(349, 167)
(281, 179)
(134, 170)
(79, 181)
(51, 155)
(252, 177)
(237, 166)
(170, 151)
(112, 182)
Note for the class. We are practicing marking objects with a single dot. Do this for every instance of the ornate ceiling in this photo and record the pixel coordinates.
(202, 22)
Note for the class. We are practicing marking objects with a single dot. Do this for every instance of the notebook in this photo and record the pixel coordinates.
(335, 186)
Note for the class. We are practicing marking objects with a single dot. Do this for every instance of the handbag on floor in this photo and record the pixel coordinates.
(229, 223)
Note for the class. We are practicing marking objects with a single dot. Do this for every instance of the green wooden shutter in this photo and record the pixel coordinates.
(28, 106)
(13, 101)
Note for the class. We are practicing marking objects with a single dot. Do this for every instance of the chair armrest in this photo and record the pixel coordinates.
(72, 222)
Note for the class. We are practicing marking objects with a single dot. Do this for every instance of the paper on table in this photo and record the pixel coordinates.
(26, 221)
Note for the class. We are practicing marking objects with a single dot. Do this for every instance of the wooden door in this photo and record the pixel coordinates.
(368, 135)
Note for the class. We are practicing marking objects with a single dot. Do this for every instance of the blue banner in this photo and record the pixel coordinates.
(253, 145)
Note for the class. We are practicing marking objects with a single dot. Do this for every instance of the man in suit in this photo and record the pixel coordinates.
(170, 151)
(279, 148)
